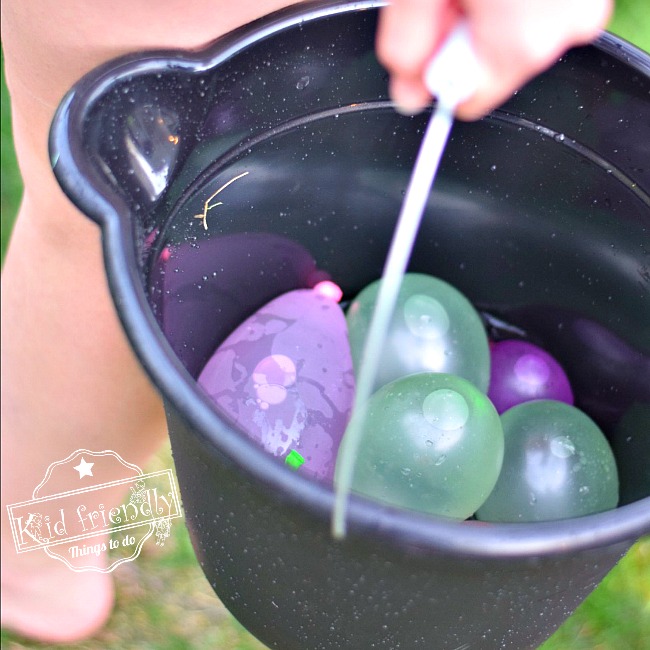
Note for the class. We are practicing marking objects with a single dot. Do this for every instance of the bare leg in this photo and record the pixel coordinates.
(69, 378)
(69, 381)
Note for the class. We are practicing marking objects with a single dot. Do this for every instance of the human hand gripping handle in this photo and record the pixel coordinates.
(513, 40)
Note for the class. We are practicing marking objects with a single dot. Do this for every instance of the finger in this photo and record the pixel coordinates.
(408, 34)
(513, 50)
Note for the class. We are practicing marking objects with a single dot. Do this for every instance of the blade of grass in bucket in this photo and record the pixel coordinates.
(452, 77)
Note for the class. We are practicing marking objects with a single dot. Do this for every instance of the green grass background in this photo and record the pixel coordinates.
(165, 603)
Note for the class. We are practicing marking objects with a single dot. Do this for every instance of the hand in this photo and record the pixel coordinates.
(513, 39)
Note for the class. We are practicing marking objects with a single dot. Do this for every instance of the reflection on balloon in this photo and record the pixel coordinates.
(521, 372)
(557, 465)
(285, 377)
(434, 329)
(430, 442)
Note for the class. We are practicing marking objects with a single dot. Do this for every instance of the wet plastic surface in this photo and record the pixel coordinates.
(540, 215)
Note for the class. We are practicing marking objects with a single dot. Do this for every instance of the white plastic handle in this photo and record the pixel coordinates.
(453, 74)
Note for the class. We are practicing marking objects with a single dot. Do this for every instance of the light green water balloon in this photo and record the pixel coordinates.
(431, 442)
(434, 329)
(558, 464)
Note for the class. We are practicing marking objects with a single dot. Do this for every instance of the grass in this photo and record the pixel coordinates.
(11, 185)
(617, 614)
(165, 603)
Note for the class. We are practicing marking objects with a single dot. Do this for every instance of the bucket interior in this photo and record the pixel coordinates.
(540, 213)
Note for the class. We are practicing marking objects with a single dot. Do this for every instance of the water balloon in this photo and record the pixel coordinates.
(521, 371)
(557, 465)
(434, 329)
(430, 442)
(285, 377)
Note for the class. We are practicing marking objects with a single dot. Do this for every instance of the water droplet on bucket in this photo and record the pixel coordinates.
(303, 82)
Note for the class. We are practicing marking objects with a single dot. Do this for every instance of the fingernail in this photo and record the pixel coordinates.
(406, 110)
(409, 98)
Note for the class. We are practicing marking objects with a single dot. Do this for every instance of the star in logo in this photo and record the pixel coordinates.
(84, 468)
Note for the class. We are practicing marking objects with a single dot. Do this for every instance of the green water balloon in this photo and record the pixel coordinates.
(434, 328)
(557, 465)
(430, 442)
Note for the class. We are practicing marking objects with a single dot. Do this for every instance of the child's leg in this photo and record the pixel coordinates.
(69, 379)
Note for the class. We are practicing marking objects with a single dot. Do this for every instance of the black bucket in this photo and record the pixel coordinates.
(540, 215)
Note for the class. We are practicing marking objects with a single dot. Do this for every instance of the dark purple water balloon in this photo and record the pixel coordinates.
(522, 372)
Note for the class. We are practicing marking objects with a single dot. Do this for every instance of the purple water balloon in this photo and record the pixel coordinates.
(521, 372)
(285, 377)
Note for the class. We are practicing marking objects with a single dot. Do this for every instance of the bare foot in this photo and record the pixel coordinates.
(44, 600)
